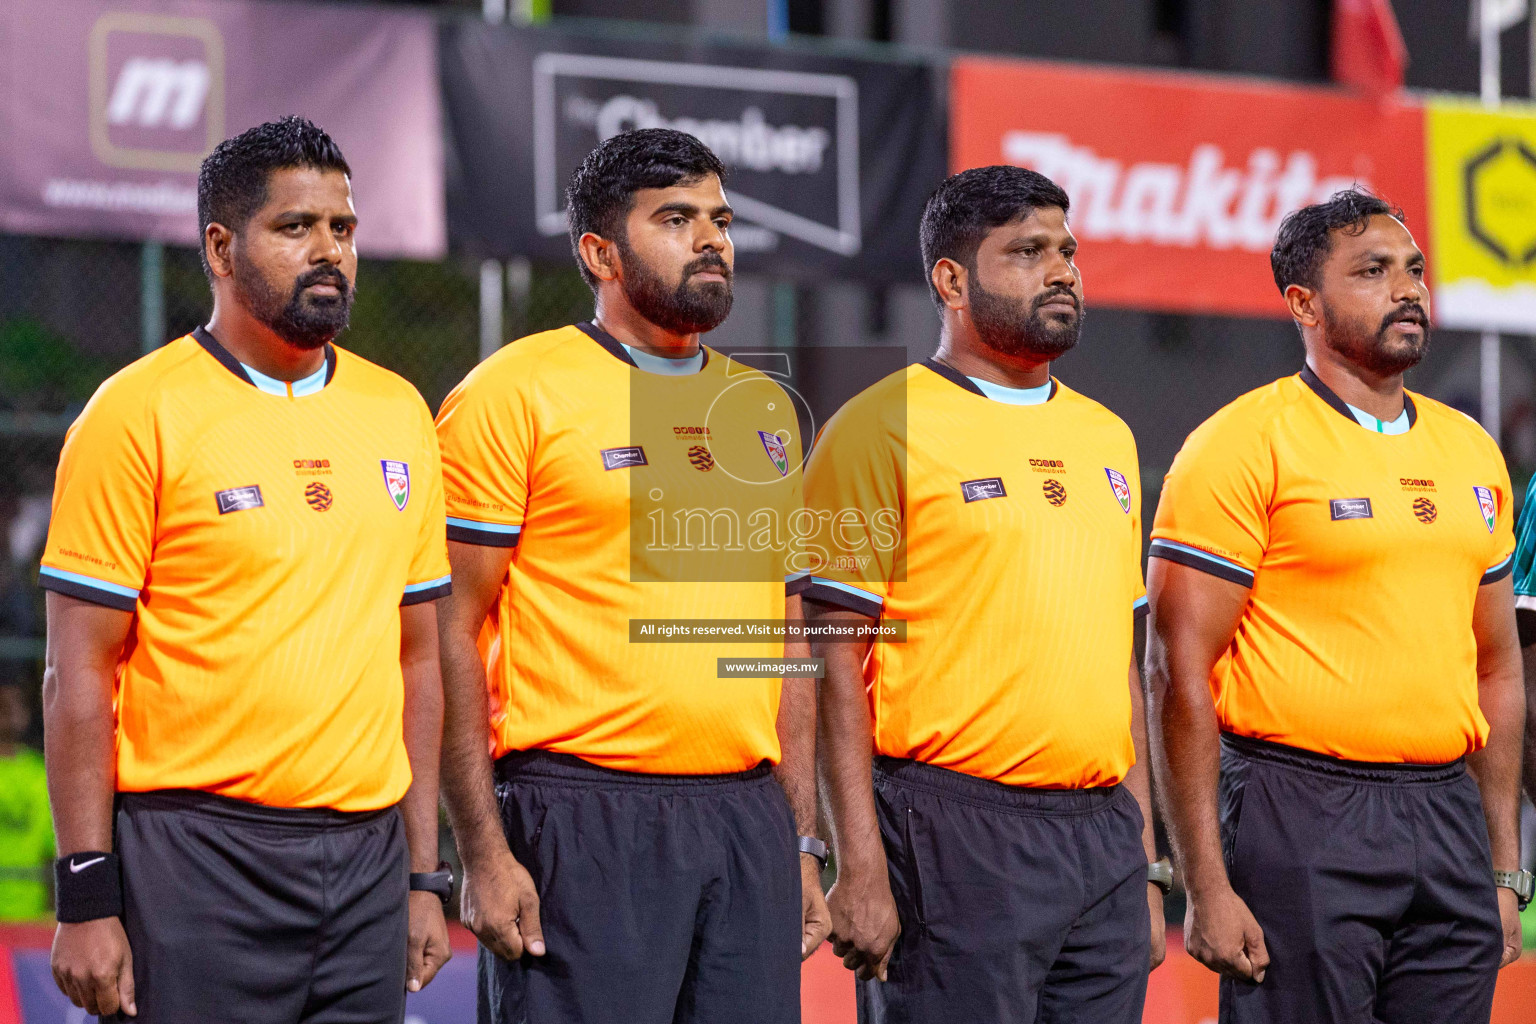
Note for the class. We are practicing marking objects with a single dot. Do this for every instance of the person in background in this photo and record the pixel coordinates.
(26, 825)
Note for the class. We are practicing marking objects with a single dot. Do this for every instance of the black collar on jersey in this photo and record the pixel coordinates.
(224, 356)
(1324, 392)
(616, 348)
(959, 379)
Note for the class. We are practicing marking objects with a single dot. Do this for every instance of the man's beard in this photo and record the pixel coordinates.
(1379, 351)
(1008, 326)
(303, 321)
(690, 308)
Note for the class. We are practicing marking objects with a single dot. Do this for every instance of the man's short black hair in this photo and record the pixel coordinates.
(232, 183)
(1306, 235)
(602, 191)
(966, 206)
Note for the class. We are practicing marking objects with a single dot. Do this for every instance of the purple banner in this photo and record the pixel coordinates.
(109, 107)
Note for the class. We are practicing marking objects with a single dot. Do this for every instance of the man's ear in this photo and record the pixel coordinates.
(218, 240)
(1302, 303)
(600, 255)
(951, 281)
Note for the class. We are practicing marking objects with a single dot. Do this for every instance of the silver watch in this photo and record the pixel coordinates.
(1522, 883)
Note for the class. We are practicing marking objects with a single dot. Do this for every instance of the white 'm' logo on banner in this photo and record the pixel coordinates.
(159, 93)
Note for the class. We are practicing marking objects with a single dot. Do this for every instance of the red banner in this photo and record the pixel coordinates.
(1178, 181)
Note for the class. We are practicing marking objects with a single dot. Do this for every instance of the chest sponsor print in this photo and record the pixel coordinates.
(1350, 508)
(980, 490)
(238, 499)
(621, 458)
(1055, 492)
(1487, 506)
(1122, 489)
(1424, 510)
(397, 480)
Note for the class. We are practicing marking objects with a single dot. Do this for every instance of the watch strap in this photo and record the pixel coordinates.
(813, 846)
(1160, 874)
(1522, 883)
(439, 882)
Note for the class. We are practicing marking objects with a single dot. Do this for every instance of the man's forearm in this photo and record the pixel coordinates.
(423, 734)
(79, 730)
(468, 790)
(796, 770)
(1186, 759)
(1497, 766)
(1528, 657)
(843, 761)
(1139, 779)
(78, 745)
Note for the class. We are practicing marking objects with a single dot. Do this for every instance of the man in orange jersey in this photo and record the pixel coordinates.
(243, 705)
(1338, 708)
(999, 869)
(630, 855)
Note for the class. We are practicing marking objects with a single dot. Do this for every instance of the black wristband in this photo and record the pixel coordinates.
(88, 885)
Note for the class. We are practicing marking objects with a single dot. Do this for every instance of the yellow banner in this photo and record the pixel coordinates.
(1482, 198)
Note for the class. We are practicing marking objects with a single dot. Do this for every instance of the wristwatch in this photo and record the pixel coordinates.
(1160, 874)
(1523, 883)
(813, 846)
(439, 882)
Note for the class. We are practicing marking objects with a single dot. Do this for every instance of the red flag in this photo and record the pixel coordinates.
(1368, 48)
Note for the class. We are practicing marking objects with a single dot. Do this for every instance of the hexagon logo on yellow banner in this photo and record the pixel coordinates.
(1482, 192)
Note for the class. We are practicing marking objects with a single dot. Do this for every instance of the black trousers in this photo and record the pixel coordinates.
(260, 915)
(1016, 905)
(1373, 884)
(664, 899)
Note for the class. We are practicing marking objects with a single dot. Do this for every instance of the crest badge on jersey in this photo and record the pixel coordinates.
(776, 451)
(1487, 506)
(1121, 488)
(397, 479)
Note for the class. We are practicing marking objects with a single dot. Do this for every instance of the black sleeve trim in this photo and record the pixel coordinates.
(1497, 573)
(421, 596)
(798, 585)
(842, 599)
(1218, 567)
(484, 538)
(1141, 612)
(70, 588)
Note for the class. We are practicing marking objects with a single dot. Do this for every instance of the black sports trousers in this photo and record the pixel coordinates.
(664, 899)
(1373, 884)
(1016, 905)
(237, 912)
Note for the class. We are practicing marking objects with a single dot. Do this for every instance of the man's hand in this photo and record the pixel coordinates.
(427, 942)
(864, 923)
(815, 919)
(1509, 917)
(93, 966)
(500, 905)
(1159, 925)
(1220, 932)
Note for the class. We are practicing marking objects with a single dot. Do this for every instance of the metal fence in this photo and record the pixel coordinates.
(74, 312)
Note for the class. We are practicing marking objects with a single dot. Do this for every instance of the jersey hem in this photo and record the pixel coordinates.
(490, 535)
(1498, 572)
(845, 596)
(1215, 565)
(431, 590)
(86, 592)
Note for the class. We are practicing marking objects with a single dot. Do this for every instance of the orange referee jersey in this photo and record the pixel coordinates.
(265, 535)
(1008, 538)
(627, 495)
(1363, 553)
